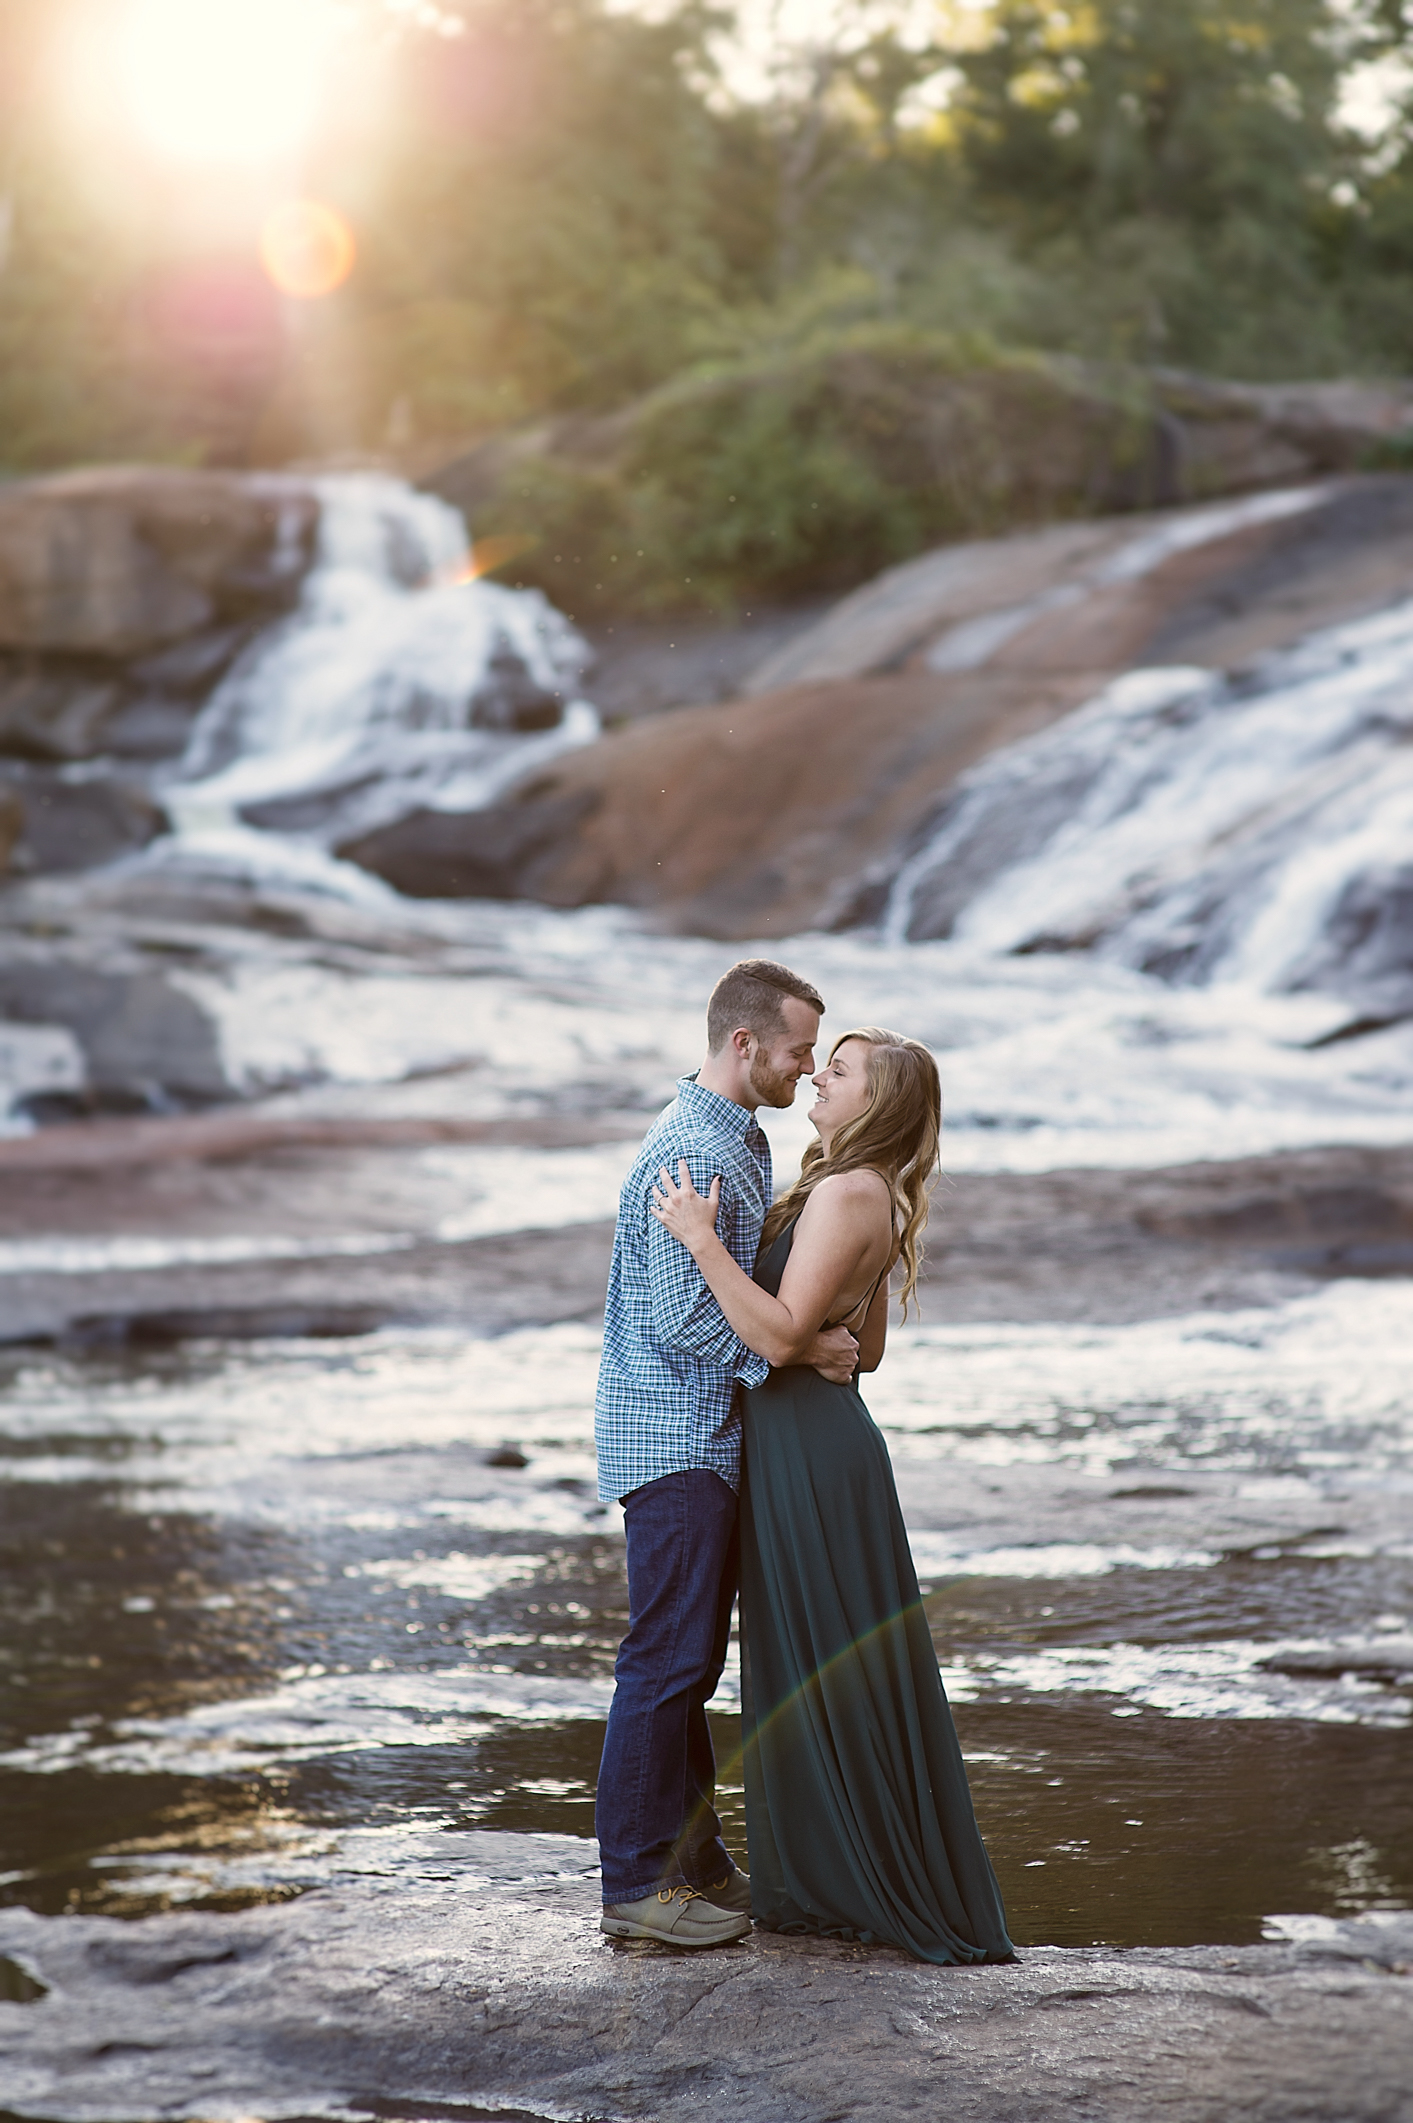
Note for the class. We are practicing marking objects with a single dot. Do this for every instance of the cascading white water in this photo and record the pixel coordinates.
(399, 681)
(1200, 830)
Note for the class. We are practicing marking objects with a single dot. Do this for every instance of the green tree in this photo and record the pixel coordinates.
(547, 208)
(1173, 162)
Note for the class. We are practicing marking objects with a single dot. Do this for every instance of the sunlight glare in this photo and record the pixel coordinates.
(224, 80)
(307, 249)
(488, 554)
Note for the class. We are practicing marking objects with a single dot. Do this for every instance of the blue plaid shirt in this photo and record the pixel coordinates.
(667, 1379)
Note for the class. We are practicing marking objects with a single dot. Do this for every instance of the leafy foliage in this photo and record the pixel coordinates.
(1171, 161)
(810, 468)
(779, 323)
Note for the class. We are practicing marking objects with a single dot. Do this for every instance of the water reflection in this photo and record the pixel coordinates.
(275, 1614)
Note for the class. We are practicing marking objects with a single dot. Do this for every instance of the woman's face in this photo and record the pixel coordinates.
(842, 1085)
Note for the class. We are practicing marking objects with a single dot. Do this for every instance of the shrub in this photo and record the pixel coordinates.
(809, 470)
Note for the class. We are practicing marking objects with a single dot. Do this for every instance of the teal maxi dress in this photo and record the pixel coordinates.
(858, 1812)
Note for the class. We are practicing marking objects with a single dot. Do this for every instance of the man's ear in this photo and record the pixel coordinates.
(742, 1039)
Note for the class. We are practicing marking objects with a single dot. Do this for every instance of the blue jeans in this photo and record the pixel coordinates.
(656, 1813)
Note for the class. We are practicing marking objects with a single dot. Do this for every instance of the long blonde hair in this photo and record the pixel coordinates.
(897, 1135)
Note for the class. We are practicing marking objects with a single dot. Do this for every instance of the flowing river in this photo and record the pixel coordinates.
(276, 1610)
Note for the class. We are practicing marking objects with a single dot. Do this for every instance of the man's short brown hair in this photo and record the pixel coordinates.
(752, 993)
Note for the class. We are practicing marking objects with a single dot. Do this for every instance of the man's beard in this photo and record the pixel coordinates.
(771, 1086)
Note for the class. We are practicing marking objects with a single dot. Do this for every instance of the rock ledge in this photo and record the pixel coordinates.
(469, 1970)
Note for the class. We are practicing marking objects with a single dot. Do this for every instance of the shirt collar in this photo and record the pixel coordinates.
(723, 1112)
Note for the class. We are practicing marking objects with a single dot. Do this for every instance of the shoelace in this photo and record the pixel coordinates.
(688, 1894)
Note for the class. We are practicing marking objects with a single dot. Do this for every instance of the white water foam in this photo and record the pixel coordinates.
(1045, 1061)
(1258, 834)
(938, 1555)
(351, 1444)
(1308, 1397)
(459, 1577)
(233, 1436)
(35, 1061)
(1230, 1678)
(1316, 1387)
(399, 681)
(553, 1031)
(320, 1714)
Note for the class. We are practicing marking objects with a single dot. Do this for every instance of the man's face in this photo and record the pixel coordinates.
(777, 1064)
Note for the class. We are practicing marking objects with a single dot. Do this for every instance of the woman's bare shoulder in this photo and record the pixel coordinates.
(862, 1188)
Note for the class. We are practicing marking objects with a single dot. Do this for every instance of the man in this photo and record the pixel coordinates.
(669, 1444)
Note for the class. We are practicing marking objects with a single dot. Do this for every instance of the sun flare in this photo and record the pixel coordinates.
(307, 249)
(224, 80)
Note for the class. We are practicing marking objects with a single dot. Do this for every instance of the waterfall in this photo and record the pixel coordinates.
(400, 681)
(1200, 828)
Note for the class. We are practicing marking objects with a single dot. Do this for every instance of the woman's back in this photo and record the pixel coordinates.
(842, 1244)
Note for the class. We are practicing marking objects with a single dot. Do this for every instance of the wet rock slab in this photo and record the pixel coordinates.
(483, 1285)
(483, 1982)
(1083, 1245)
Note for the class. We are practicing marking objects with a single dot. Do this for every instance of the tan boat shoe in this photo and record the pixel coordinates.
(674, 1916)
(732, 1892)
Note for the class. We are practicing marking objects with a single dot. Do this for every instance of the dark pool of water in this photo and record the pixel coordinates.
(125, 1615)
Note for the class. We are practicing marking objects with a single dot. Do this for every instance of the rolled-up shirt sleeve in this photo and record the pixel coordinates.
(685, 1315)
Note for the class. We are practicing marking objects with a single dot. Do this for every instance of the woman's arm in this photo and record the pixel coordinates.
(873, 1334)
(836, 1231)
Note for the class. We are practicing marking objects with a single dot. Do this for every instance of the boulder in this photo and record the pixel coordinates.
(499, 853)
(1230, 437)
(758, 818)
(146, 1044)
(63, 707)
(56, 708)
(61, 824)
(641, 666)
(1365, 950)
(118, 561)
(1219, 584)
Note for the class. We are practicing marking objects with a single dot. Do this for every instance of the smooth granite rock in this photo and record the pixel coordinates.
(498, 853)
(122, 559)
(787, 808)
(468, 1969)
(68, 823)
(146, 1044)
(58, 708)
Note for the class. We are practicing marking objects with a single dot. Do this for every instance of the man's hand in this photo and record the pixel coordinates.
(833, 1354)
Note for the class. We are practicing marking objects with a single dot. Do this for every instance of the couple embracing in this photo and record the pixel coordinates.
(730, 1424)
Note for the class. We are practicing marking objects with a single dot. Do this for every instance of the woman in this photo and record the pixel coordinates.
(858, 1813)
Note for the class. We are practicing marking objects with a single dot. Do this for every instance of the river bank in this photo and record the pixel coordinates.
(490, 1997)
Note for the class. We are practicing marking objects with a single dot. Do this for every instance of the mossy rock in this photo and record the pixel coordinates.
(807, 471)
